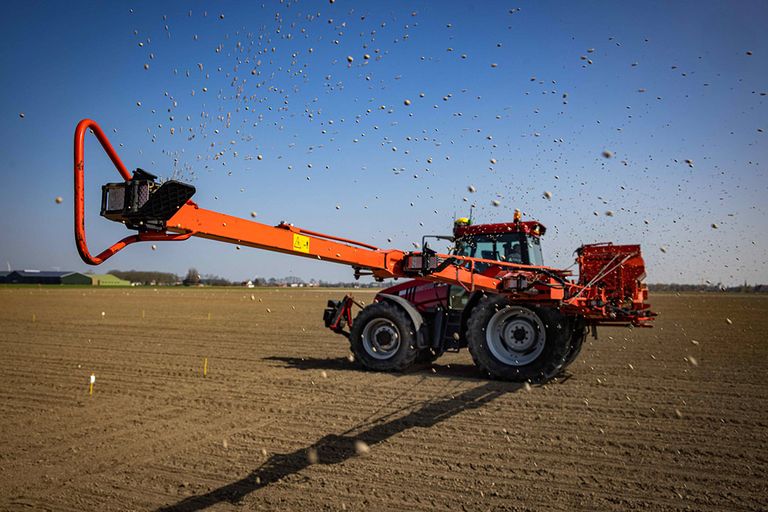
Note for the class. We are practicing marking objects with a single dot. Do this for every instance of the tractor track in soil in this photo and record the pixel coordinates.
(670, 418)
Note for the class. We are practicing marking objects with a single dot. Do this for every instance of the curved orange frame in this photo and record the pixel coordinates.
(82, 246)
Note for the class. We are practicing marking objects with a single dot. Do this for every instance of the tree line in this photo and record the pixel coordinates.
(195, 278)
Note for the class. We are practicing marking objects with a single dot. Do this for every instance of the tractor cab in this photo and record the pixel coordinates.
(510, 242)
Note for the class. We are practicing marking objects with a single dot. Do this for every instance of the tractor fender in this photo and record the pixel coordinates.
(413, 314)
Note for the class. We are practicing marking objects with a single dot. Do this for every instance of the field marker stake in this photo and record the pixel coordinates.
(205, 367)
(209, 316)
(142, 313)
(34, 317)
(90, 385)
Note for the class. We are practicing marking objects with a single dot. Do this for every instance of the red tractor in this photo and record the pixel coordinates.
(526, 337)
(521, 320)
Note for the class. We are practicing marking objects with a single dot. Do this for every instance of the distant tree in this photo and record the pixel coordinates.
(193, 278)
(214, 280)
(146, 276)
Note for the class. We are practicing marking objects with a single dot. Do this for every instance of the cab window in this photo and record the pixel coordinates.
(534, 251)
(507, 247)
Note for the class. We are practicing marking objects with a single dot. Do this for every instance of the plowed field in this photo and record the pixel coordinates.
(670, 418)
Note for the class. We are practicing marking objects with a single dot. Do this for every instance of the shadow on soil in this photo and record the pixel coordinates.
(337, 448)
(463, 371)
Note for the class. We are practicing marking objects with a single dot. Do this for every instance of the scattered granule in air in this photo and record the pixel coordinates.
(361, 448)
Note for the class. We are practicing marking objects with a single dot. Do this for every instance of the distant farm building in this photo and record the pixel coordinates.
(60, 277)
(46, 277)
(107, 280)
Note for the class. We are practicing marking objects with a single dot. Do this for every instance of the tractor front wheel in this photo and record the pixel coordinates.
(517, 343)
(382, 338)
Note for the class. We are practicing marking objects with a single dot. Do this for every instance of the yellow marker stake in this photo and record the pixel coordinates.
(205, 367)
(142, 313)
(90, 386)
(209, 316)
(34, 317)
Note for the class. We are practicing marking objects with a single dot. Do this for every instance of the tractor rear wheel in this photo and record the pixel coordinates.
(382, 338)
(517, 343)
(578, 337)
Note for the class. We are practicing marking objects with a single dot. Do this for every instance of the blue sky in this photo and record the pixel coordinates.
(540, 88)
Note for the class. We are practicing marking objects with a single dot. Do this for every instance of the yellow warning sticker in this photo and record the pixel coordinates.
(300, 243)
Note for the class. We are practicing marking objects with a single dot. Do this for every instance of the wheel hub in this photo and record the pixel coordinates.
(381, 338)
(515, 336)
(518, 335)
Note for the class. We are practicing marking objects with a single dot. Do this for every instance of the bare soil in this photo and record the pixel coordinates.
(670, 418)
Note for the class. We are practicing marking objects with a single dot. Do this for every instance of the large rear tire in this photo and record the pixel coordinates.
(517, 343)
(382, 338)
(578, 337)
